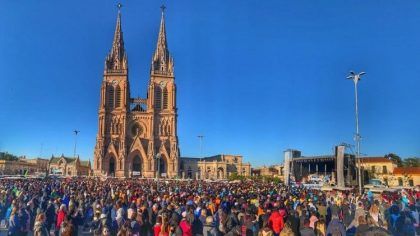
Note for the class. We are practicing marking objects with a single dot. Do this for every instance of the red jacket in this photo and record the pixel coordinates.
(186, 228)
(276, 222)
(156, 229)
(60, 218)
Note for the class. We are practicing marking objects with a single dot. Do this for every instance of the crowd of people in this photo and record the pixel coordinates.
(78, 206)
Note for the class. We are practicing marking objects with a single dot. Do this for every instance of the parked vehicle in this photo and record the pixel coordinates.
(376, 185)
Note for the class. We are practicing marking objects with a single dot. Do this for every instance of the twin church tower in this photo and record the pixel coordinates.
(137, 136)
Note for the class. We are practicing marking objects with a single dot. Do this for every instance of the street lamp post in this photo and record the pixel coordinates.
(76, 132)
(356, 77)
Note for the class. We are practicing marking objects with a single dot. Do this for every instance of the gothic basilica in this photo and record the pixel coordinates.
(138, 136)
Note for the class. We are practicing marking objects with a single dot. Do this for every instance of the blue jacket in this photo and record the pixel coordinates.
(14, 225)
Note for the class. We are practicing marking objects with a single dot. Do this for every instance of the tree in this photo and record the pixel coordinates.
(235, 176)
(411, 162)
(395, 159)
(8, 157)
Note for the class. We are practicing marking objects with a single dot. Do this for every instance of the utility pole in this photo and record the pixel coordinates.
(356, 77)
(76, 132)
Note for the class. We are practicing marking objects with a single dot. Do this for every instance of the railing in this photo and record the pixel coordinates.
(115, 71)
(139, 100)
(159, 72)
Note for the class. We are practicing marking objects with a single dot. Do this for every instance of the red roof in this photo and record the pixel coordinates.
(375, 159)
(407, 170)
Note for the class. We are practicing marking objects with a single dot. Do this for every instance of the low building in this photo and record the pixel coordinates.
(41, 164)
(377, 165)
(385, 170)
(273, 170)
(23, 166)
(214, 167)
(405, 176)
(69, 166)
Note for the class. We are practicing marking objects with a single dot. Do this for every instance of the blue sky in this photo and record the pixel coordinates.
(254, 77)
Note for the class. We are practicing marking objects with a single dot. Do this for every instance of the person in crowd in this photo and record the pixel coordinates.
(61, 216)
(106, 231)
(185, 226)
(209, 228)
(307, 230)
(158, 226)
(15, 227)
(320, 227)
(362, 227)
(66, 229)
(336, 227)
(313, 219)
(40, 228)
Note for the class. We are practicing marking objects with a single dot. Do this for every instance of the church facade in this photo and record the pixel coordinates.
(137, 136)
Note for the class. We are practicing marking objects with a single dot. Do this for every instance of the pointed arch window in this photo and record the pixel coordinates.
(118, 97)
(165, 98)
(158, 97)
(111, 97)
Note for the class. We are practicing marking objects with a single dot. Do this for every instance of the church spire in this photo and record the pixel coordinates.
(162, 62)
(117, 58)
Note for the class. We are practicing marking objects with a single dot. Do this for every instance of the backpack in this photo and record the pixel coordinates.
(335, 229)
(409, 228)
(393, 222)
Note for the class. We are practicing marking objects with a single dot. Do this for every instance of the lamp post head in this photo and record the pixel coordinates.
(158, 156)
(355, 77)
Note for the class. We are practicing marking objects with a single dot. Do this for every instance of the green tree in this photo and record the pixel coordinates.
(411, 162)
(8, 157)
(395, 159)
(235, 176)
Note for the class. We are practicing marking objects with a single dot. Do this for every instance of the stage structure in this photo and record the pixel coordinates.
(339, 168)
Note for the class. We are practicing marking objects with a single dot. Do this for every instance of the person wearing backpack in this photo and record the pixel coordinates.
(307, 230)
(405, 225)
(209, 228)
(335, 227)
(393, 218)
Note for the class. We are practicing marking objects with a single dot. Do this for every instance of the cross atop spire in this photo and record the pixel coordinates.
(117, 58)
(162, 62)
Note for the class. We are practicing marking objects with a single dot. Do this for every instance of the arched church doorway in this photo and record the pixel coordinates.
(136, 166)
(161, 167)
(112, 166)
